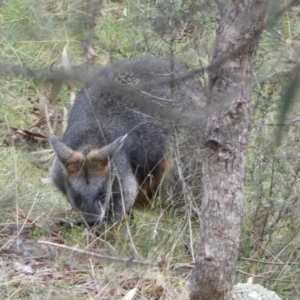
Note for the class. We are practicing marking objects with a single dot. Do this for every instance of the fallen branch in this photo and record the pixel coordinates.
(191, 265)
(269, 262)
(266, 278)
(129, 260)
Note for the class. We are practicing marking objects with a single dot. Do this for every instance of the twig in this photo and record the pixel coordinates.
(266, 278)
(80, 72)
(269, 262)
(101, 256)
(192, 265)
(186, 192)
(183, 266)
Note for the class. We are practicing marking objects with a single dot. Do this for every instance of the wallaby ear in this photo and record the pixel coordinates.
(110, 150)
(62, 151)
(71, 160)
(99, 158)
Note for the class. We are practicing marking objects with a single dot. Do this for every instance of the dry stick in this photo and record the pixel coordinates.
(186, 193)
(191, 266)
(269, 262)
(266, 278)
(183, 266)
(102, 256)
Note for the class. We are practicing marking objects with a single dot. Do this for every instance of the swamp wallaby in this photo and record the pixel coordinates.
(114, 153)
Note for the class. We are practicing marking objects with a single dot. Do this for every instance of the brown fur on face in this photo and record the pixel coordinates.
(74, 164)
(96, 161)
(93, 161)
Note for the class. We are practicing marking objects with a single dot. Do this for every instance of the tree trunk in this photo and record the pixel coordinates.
(225, 139)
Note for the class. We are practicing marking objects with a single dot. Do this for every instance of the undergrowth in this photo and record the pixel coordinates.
(34, 33)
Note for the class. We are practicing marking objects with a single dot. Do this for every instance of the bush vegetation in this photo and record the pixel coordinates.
(34, 34)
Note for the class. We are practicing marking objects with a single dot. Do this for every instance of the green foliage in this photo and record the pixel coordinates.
(270, 228)
(34, 33)
(271, 206)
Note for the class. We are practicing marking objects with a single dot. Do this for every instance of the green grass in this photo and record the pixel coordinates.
(34, 33)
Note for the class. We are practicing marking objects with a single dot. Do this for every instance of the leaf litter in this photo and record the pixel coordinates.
(25, 262)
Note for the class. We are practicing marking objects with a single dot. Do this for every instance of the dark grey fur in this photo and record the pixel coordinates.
(110, 116)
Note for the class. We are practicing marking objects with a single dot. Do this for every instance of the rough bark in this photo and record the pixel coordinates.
(225, 138)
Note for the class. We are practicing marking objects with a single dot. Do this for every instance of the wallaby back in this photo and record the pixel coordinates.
(113, 153)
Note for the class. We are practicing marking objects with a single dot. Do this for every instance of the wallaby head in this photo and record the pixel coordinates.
(87, 179)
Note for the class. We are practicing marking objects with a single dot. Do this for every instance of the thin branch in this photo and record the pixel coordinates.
(186, 192)
(80, 73)
(182, 266)
(279, 76)
(269, 262)
(129, 260)
(266, 278)
(192, 266)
